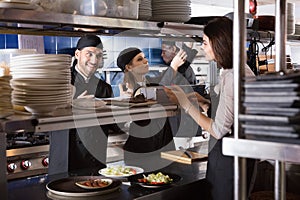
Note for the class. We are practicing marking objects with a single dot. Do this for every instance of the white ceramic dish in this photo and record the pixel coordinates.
(117, 174)
(40, 110)
(43, 75)
(42, 69)
(40, 102)
(39, 93)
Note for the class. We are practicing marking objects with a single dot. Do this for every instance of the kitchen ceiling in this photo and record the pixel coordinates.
(222, 7)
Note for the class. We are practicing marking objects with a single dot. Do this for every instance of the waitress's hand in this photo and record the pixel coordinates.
(84, 95)
(202, 102)
(178, 60)
(178, 96)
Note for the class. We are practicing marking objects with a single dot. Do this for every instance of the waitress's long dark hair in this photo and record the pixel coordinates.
(220, 34)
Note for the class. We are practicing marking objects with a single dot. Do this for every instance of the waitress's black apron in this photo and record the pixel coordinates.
(220, 168)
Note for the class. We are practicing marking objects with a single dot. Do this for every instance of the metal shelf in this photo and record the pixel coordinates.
(17, 21)
(261, 150)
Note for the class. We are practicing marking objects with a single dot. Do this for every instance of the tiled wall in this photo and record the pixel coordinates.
(8, 41)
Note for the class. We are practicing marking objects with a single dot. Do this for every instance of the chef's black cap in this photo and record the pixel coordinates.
(89, 41)
(126, 56)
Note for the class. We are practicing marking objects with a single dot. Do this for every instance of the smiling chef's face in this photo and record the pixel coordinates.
(89, 60)
(206, 46)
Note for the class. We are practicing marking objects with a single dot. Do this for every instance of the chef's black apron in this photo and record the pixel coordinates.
(147, 139)
(220, 168)
(95, 137)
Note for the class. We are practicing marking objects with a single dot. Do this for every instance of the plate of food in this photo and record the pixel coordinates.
(120, 171)
(154, 179)
(136, 101)
(88, 104)
(79, 186)
(93, 184)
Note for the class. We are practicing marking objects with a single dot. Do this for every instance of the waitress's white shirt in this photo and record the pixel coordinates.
(224, 115)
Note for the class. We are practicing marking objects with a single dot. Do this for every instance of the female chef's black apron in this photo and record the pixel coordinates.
(220, 168)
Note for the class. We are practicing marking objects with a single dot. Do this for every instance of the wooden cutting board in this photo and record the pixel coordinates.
(179, 156)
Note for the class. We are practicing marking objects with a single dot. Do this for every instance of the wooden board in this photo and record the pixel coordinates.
(179, 156)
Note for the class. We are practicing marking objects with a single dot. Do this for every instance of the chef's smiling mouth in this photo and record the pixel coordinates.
(92, 66)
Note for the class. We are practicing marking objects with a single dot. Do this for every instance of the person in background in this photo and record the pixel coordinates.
(217, 45)
(88, 146)
(134, 70)
(179, 71)
(147, 138)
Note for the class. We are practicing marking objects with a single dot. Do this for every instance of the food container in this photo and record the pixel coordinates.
(127, 9)
(70, 7)
(93, 7)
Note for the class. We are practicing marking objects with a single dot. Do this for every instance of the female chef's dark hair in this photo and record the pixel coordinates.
(220, 34)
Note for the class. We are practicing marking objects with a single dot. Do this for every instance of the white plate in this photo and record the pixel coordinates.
(104, 172)
(106, 182)
(32, 81)
(37, 99)
(42, 69)
(40, 104)
(5, 114)
(35, 93)
(88, 104)
(40, 110)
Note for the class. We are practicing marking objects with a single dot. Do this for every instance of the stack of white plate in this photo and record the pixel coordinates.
(41, 82)
(6, 108)
(145, 9)
(171, 10)
(290, 18)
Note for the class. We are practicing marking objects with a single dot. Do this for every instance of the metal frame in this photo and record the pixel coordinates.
(245, 148)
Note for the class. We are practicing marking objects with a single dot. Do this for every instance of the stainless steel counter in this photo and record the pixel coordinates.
(62, 120)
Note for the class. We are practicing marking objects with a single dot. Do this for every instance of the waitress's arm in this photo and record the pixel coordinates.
(177, 95)
(201, 119)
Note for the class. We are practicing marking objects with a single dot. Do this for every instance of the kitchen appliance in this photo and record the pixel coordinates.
(27, 154)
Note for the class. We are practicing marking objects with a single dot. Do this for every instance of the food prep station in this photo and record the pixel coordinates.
(28, 171)
(31, 181)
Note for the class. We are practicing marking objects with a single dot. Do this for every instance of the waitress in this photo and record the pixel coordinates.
(147, 138)
(217, 45)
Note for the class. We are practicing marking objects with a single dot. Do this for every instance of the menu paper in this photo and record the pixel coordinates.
(31, 41)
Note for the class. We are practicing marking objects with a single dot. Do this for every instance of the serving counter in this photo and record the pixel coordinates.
(191, 186)
(59, 123)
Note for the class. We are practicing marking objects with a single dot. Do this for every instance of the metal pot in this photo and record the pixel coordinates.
(93, 7)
